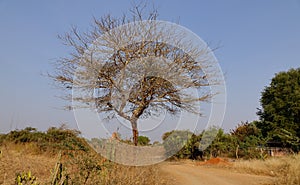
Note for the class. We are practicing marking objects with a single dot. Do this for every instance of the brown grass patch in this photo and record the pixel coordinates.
(81, 167)
(148, 175)
(20, 158)
(286, 170)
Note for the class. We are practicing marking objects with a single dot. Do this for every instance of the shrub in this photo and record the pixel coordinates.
(143, 140)
(53, 140)
(182, 140)
(25, 179)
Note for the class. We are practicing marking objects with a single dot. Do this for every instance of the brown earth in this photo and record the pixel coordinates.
(188, 173)
(212, 172)
(215, 161)
(19, 161)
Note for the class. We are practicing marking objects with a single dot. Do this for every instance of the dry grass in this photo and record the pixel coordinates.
(285, 169)
(149, 175)
(88, 168)
(20, 158)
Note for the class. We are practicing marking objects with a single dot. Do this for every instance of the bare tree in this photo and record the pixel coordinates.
(127, 67)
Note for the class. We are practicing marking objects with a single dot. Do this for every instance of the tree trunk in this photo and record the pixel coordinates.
(135, 132)
(134, 118)
(237, 151)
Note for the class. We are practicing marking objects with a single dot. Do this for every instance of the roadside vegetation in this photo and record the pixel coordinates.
(285, 170)
(276, 132)
(60, 156)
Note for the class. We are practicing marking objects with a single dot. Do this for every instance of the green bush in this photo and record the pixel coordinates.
(2, 138)
(53, 139)
(143, 140)
(182, 140)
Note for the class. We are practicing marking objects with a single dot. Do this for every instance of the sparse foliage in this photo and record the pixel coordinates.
(130, 72)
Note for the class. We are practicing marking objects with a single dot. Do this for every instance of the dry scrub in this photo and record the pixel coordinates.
(21, 158)
(81, 168)
(285, 169)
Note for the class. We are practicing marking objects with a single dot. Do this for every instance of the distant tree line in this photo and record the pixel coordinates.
(278, 124)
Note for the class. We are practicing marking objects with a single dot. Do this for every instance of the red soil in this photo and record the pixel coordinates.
(215, 161)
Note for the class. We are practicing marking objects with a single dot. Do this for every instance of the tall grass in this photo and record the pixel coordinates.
(30, 150)
(286, 170)
(147, 175)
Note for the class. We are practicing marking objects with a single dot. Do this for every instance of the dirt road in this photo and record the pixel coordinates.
(189, 174)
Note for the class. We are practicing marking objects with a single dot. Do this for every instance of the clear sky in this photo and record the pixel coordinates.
(257, 39)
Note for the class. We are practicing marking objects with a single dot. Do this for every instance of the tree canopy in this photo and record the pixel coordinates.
(280, 113)
(143, 140)
(127, 69)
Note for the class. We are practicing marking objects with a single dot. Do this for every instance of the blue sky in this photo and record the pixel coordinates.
(257, 39)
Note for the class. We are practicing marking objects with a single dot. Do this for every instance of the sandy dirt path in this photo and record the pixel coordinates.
(189, 174)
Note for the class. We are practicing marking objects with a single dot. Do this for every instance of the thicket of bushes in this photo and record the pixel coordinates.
(80, 165)
(77, 164)
(245, 141)
(53, 139)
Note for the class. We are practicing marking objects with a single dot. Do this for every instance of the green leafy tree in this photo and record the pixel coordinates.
(280, 113)
(220, 142)
(246, 138)
(143, 140)
(288, 138)
(182, 141)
